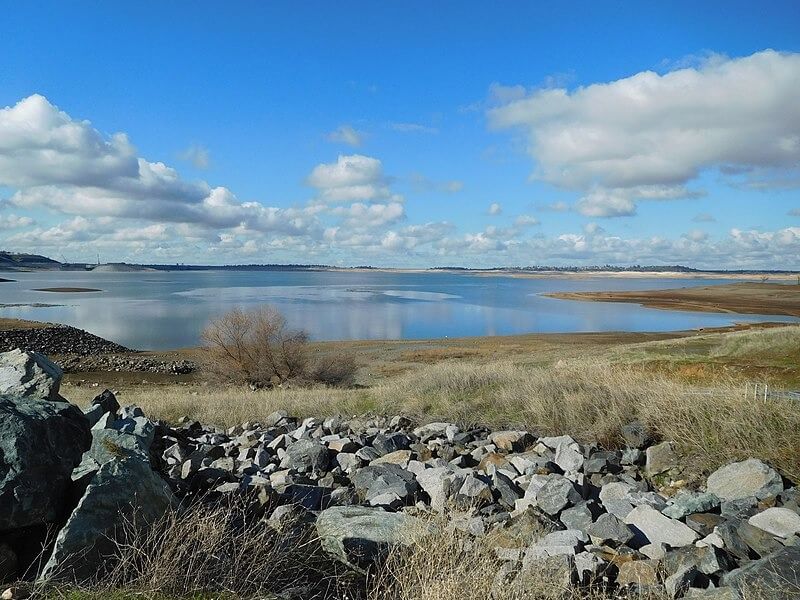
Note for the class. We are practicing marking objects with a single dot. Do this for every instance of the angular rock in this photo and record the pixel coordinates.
(309, 497)
(29, 375)
(579, 517)
(721, 593)
(511, 441)
(432, 430)
(139, 426)
(398, 457)
(609, 529)
(758, 540)
(359, 536)
(708, 560)
(557, 494)
(677, 583)
(638, 572)
(742, 479)
(780, 522)
(685, 503)
(392, 442)
(41, 442)
(123, 489)
(637, 435)
(569, 459)
(441, 484)
(474, 492)
(508, 491)
(658, 528)
(375, 481)
(567, 542)
(306, 456)
(107, 401)
(660, 459)
(588, 567)
(703, 523)
(558, 571)
(104, 422)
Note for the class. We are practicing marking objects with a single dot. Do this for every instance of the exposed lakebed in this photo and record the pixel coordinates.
(159, 310)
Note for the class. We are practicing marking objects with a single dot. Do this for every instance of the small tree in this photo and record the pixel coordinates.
(254, 347)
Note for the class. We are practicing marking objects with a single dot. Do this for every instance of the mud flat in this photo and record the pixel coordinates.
(743, 298)
(67, 290)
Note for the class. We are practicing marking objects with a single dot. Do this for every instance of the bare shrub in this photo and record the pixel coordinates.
(255, 347)
(334, 369)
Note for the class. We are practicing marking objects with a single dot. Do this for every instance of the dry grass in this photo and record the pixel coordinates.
(216, 551)
(588, 399)
(219, 553)
(782, 343)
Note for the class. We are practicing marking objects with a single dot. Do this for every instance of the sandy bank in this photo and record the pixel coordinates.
(743, 298)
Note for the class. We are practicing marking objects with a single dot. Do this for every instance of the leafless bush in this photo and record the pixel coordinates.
(335, 369)
(255, 347)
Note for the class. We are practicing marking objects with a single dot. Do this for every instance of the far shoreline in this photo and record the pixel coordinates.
(744, 298)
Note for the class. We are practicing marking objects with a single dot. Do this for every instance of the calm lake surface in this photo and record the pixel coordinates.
(160, 310)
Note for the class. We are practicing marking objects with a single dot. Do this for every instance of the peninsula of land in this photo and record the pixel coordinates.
(741, 297)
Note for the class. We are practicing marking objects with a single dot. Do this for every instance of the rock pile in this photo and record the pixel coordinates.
(68, 470)
(57, 339)
(552, 507)
(130, 362)
(80, 351)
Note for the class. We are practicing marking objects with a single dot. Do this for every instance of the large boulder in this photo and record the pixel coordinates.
(29, 375)
(41, 442)
(359, 536)
(124, 494)
(117, 492)
(744, 479)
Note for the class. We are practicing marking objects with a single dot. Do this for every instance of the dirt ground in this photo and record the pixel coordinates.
(742, 298)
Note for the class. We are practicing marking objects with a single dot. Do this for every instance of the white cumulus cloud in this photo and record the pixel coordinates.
(351, 177)
(649, 135)
(66, 165)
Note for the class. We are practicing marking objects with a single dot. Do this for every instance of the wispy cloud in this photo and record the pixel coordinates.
(412, 128)
(198, 155)
(346, 134)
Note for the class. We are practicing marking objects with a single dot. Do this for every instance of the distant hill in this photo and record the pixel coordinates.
(120, 268)
(12, 261)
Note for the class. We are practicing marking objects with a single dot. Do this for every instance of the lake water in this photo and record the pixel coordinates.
(160, 310)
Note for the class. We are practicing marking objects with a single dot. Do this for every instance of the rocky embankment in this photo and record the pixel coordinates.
(131, 362)
(575, 513)
(57, 340)
(80, 351)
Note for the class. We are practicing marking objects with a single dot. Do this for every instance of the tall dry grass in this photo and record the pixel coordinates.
(207, 553)
(216, 551)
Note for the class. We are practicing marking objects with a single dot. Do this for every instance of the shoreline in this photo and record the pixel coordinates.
(521, 274)
(736, 298)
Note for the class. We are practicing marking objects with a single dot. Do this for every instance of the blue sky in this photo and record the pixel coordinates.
(402, 134)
